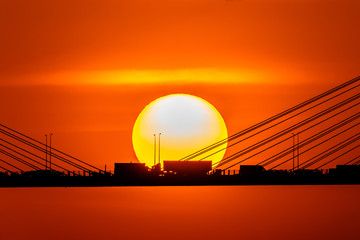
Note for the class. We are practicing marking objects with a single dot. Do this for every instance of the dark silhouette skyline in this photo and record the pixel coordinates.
(305, 138)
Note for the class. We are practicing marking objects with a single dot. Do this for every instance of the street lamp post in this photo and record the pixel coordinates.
(293, 137)
(46, 152)
(159, 148)
(298, 151)
(50, 152)
(154, 149)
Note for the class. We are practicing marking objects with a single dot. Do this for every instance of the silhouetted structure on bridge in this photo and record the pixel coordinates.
(291, 147)
(130, 169)
(188, 168)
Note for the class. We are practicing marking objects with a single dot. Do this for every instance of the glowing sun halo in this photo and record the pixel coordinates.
(186, 123)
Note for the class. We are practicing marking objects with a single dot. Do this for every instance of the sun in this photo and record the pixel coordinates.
(184, 123)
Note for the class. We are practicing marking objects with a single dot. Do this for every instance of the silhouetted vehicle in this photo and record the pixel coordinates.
(188, 168)
(130, 169)
(252, 170)
(345, 171)
(43, 173)
(308, 172)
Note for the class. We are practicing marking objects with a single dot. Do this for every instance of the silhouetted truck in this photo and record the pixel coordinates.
(346, 170)
(186, 168)
(251, 170)
(130, 169)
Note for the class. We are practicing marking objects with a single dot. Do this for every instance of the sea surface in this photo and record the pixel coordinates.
(214, 212)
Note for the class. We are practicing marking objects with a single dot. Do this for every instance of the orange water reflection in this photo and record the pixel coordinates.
(240, 212)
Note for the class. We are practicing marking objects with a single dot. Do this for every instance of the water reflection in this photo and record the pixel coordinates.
(234, 212)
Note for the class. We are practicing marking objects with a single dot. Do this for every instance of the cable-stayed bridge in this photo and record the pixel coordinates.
(19, 152)
(319, 133)
(316, 133)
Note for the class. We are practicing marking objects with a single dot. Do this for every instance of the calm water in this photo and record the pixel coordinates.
(240, 212)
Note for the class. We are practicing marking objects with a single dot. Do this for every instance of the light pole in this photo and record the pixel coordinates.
(154, 149)
(293, 137)
(298, 151)
(159, 149)
(50, 151)
(46, 152)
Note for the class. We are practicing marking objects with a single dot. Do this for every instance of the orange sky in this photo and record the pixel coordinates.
(85, 69)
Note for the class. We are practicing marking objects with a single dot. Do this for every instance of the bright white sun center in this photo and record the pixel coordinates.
(186, 123)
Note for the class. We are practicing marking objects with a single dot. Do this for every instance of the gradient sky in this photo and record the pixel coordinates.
(85, 69)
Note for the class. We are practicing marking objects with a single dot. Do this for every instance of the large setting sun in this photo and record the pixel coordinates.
(184, 123)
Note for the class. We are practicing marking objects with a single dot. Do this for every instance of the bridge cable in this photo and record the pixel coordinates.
(289, 150)
(54, 149)
(278, 123)
(287, 130)
(339, 157)
(19, 159)
(338, 146)
(357, 162)
(43, 150)
(311, 139)
(273, 118)
(332, 137)
(1, 160)
(7, 170)
(32, 159)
